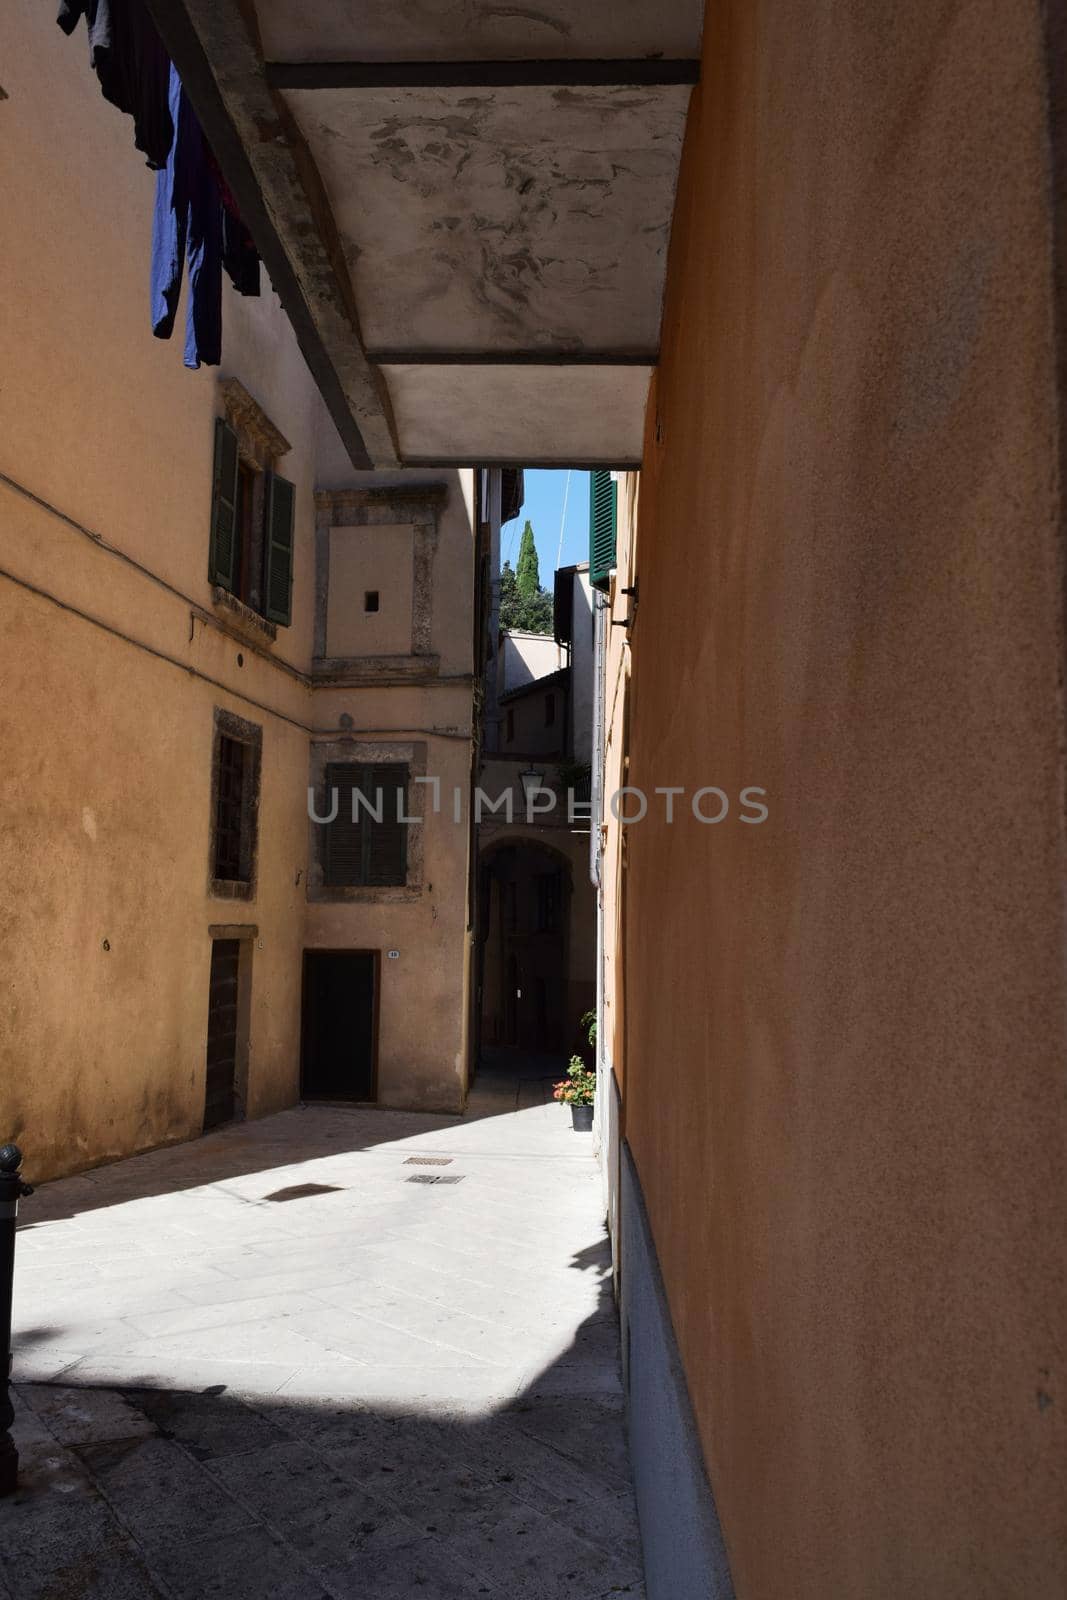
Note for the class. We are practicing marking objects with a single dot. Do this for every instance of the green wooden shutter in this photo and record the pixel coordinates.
(386, 857)
(343, 855)
(281, 499)
(366, 852)
(602, 525)
(223, 552)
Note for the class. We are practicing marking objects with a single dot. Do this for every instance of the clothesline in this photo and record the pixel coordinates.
(197, 222)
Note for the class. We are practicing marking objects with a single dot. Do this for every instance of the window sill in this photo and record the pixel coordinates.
(232, 889)
(241, 619)
(345, 671)
(342, 894)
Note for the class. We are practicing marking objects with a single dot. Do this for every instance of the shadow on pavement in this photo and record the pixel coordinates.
(139, 1494)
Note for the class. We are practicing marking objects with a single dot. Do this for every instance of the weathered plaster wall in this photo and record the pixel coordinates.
(527, 730)
(525, 656)
(106, 765)
(364, 559)
(845, 1028)
(425, 993)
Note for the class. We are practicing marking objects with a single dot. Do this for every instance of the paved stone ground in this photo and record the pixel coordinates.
(387, 1389)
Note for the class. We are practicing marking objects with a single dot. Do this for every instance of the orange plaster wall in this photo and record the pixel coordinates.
(845, 1042)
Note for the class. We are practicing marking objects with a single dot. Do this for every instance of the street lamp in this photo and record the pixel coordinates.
(532, 783)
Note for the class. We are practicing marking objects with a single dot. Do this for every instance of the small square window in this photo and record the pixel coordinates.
(372, 600)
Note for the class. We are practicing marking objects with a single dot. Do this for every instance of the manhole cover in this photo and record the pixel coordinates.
(301, 1191)
(434, 1177)
(428, 1161)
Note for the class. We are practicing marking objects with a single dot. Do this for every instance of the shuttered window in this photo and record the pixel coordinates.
(252, 521)
(370, 850)
(230, 812)
(237, 748)
(602, 527)
(281, 499)
(222, 561)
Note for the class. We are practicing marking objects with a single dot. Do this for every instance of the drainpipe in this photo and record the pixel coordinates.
(596, 804)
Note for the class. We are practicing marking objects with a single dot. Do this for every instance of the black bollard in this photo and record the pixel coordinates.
(12, 1189)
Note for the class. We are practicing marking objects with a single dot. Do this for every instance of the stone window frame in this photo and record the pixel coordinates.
(418, 507)
(369, 750)
(260, 446)
(227, 725)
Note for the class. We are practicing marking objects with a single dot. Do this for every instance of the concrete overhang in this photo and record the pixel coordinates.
(465, 207)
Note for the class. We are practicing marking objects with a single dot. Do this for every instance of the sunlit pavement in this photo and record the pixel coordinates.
(268, 1363)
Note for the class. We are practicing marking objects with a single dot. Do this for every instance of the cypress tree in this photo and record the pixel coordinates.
(528, 573)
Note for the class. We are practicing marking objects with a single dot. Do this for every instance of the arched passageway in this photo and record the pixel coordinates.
(528, 998)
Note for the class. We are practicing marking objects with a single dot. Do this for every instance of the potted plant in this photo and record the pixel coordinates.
(577, 1091)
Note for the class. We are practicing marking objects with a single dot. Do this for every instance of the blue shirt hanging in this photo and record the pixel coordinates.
(188, 227)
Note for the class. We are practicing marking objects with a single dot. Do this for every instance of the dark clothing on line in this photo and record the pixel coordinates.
(239, 255)
(128, 57)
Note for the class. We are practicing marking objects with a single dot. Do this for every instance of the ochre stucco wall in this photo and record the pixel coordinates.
(106, 771)
(105, 776)
(845, 1036)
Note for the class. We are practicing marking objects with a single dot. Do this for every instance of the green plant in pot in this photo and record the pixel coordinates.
(577, 1091)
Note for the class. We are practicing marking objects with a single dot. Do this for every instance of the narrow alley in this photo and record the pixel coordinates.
(330, 1353)
(533, 965)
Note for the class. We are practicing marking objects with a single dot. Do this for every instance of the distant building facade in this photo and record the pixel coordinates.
(535, 928)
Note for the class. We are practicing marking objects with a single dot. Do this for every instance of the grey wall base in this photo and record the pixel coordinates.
(685, 1558)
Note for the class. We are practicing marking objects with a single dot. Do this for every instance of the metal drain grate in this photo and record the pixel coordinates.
(300, 1191)
(434, 1177)
(428, 1161)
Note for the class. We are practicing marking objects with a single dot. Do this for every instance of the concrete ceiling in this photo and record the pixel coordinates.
(519, 414)
(466, 229)
(465, 207)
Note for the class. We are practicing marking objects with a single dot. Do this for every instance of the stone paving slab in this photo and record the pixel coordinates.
(389, 1389)
(212, 1495)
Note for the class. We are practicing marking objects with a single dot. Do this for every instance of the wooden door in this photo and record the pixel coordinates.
(220, 1085)
(339, 1025)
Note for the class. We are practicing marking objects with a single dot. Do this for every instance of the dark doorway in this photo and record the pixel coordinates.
(340, 1025)
(524, 948)
(220, 1090)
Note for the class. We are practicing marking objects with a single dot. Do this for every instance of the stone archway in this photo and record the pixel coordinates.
(525, 888)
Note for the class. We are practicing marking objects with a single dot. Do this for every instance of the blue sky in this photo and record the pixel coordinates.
(544, 507)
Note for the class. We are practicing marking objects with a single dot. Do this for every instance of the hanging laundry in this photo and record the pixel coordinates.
(240, 258)
(188, 228)
(239, 255)
(128, 57)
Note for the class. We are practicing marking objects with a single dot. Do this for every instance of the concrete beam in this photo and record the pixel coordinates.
(265, 159)
(479, 74)
(513, 358)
